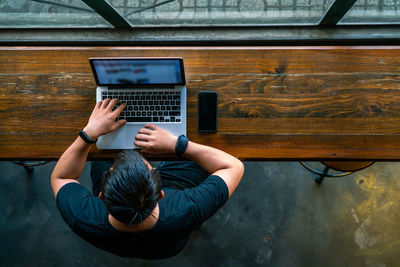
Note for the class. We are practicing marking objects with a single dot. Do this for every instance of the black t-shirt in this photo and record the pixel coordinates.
(181, 211)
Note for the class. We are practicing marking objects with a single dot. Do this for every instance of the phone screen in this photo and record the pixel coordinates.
(208, 112)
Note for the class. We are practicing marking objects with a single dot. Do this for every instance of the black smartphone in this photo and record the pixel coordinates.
(208, 112)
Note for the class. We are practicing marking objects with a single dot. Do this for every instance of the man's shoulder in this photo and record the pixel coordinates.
(213, 185)
(76, 204)
(192, 206)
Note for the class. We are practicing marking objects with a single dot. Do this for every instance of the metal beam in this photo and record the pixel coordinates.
(336, 12)
(179, 36)
(109, 13)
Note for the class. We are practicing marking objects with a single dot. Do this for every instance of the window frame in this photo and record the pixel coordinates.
(326, 32)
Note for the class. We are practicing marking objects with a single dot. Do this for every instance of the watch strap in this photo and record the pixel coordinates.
(86, 138)
(181, 145)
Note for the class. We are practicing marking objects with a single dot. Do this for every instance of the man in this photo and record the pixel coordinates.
(135, 210)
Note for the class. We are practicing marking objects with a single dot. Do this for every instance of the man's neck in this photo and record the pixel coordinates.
(147, 224)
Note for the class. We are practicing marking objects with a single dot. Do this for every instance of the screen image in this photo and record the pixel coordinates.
(138, 71)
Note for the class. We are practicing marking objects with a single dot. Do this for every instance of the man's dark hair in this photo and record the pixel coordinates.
(130, 190)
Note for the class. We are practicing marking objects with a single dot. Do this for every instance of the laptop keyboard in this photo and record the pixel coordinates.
(146, 106)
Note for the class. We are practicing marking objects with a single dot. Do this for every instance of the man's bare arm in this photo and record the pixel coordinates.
(72, 162)
(217, 162)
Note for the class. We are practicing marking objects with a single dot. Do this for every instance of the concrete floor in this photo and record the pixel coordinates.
(277, 217)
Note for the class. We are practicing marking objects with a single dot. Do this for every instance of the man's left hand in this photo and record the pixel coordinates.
(155, 140)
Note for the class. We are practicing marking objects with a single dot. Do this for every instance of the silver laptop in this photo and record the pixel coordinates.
(154, 90)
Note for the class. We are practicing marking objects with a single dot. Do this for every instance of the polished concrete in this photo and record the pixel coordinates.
(277, 217)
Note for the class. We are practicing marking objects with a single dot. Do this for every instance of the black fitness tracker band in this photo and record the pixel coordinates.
(181, 145)
(86, 138)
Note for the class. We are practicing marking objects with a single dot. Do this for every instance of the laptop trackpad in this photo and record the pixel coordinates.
(113, 140)
(131, 132)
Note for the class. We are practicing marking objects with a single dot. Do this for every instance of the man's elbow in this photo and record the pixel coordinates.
(53, 176)
(240, 167)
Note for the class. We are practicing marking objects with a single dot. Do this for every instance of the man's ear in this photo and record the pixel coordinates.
(161, 194)
(101, 195)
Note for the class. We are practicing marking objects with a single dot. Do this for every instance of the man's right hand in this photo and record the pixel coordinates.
(155, 140)
(102, 119)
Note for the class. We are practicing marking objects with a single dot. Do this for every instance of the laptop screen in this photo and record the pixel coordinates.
(138, 71)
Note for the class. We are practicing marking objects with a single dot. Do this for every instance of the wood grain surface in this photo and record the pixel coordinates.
(275, 103)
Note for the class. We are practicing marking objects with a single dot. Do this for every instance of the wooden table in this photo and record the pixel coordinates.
(275, 103)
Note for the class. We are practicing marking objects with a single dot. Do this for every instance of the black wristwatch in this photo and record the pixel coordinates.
(181, 145)
(86, 138)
